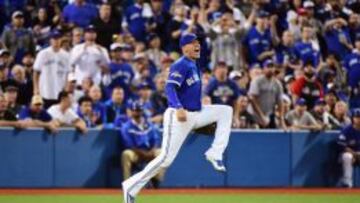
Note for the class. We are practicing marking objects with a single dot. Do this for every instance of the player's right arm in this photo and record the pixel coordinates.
(175, 80)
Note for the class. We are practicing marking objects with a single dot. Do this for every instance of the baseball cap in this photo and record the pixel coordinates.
(301, 102)
(55, 34)
(187, 39)
(115, 46)
(136, 106)
(143, 85)
(36, 99)
(320, 101)
(71, 77)
(262, 14)
(288, 78)
(139, 56)
(268, 63)
(355, 112)
(4, 52)
(235, 74)
(17, 14)
(90, 28)
(308, 4)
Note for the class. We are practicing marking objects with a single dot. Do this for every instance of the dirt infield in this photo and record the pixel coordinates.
(181, 191)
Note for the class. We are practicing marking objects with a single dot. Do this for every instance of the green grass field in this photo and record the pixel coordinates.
(193, 198)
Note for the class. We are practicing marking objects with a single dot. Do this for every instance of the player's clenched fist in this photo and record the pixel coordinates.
(181, 115)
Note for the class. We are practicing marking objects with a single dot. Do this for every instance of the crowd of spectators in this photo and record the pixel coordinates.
(287, 64)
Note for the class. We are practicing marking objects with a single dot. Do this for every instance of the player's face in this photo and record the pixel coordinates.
(192, 50)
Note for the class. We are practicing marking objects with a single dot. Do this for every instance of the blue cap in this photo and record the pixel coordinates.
(262, 14)
(144, 85)
(301, 102)
(355, 112)
(187, 39)
(90, 28)
(136, 106)
(268, 62)
(55, 34)
(320, 101)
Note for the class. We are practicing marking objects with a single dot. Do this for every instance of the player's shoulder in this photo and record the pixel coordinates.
(179, 64)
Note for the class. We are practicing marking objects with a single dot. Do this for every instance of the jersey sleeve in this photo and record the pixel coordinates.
(39, 61)
(177, 75)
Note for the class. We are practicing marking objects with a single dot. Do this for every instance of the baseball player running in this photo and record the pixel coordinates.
(185, 113)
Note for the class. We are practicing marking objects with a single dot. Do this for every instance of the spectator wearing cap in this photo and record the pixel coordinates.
(37, 116)
(241, 78)
(106, 26)
(340, 115)
(154, 52)
(285, 53)
(337, 37)
(352, 66)
(141, 142)
(300, 119)
(87, 114)
(307, 87)
(65, 115)
(51, 68)
(221, 89)
(24, 85)
(11, 96)
(305, 48)
(309, 7)
(18, 39)
(89, 58)
(349, 143)
(225, 37)
(158, 99)
(121, 73)
(136, 19)
(242, 118)
(144, 91)
(115, 108)
(259, 40)
(79, 13)
(6, 59)
(265, 94)
(174, 28)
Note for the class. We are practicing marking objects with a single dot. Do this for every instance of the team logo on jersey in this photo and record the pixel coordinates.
(176, 74)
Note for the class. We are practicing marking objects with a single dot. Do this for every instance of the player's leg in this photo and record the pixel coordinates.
(175, 133)
(347, 160)
(222, 115)
(128, 158)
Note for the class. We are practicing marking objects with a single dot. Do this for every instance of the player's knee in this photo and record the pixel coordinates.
(347, 157)
(228, 110)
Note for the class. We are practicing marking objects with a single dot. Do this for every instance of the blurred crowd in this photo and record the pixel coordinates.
(86, 63)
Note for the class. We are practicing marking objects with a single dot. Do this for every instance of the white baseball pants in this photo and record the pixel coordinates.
(347, 161)
(174, 135)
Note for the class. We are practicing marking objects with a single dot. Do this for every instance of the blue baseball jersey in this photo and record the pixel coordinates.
(332, 38)
(136, 22)
(349, 137)
(305, 52)
(352, 65)
(183, 86)
(257, 43)
(222, 92)
(26, 113)
(80, 15)
(140, 136)
(121, 75)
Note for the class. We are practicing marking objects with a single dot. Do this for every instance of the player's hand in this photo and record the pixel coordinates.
(181, 115)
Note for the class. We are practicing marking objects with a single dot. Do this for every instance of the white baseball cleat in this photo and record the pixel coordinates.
(217, 164)
(127, 197)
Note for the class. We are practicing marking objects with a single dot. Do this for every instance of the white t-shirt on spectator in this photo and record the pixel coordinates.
(54, 67)
(88, 62)
(68, 117)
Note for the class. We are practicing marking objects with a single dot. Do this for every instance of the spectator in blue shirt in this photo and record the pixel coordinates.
(116, 106)
(337, 37)
(135, 21)
(80, 13)
(144, 92)
(37, 116)
(141, 142)
(304, 49)
(354, 26)
(285, 53)
(258, 40)
(349, 142)
(85, 111)
(352, 65)
(121, 73)
(221, 89)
